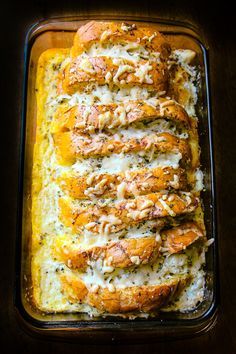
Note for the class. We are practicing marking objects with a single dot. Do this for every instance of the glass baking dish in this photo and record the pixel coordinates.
(59, 32)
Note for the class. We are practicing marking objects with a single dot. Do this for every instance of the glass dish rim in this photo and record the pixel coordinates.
(137, 323)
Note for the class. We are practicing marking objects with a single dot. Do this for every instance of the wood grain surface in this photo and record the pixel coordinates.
(217, 25)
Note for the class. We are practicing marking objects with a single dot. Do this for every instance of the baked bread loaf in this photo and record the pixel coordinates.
(118, 226)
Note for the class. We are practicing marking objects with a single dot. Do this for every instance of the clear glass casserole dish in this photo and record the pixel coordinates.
(58, 33)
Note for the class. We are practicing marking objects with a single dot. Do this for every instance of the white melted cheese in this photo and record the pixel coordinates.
(199, 185)
(163, 270)
(194, 293)
(89, 239)
(117, 163)
(143, 73)
(130, 51)
(185, 57)
(103, 95)
(52, 298)
(139, 130)
(100, 274)
(192, 90)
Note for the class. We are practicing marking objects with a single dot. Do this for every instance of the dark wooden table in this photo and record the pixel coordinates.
(217, 25)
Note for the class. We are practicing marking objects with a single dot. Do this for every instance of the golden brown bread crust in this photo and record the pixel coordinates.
(113, 115)
(177, 88)
(128, 252)
(74, 288)
(117, 216)
(118, 33)
(121, 254)
(70, 145)
(105, 70)
(139, 298)
(131, 299)
(177, 239)
(129, 184)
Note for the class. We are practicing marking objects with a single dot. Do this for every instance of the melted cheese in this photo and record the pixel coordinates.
(122, 69)
(194, 293)
(103, 95)
(121, 188)
(122, 162)
(143, 73)
(163, 269)
(130, 51)
(185, 57)
(199, 185)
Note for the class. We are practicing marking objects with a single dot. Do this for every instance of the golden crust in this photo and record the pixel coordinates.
(121, 254)
(118, 33)
(140, 182)
(117, 216)
(113, 115)
(130, 299)
(104, 70)
(177, 88)
(128, 252)
(74, 288)
(70, 146)
(140, 298)
(177, 239)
